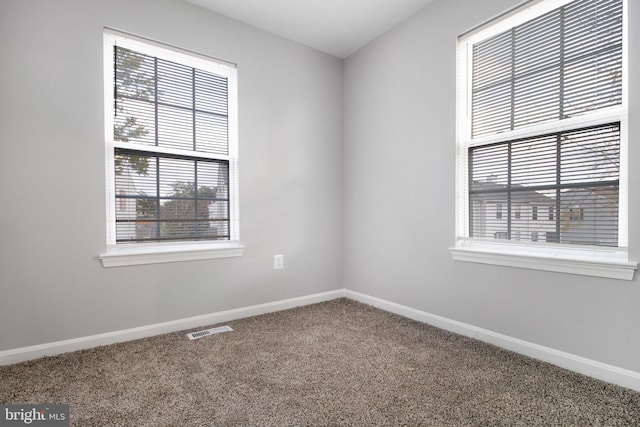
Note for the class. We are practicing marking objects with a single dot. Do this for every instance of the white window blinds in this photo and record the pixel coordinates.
(566, 172)
(173, 151)
(558, 187)
(565, 63)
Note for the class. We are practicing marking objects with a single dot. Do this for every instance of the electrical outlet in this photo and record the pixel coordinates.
(278, 262)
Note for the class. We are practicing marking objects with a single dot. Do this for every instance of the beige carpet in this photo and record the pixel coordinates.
(335, 363)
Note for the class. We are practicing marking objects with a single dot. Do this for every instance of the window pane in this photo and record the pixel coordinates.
(565, 63)
(211, 93)
(537, 45)
(135, 173)
(134, 96)
(175, 84)
(591, 155)
(492, 61)
(163, 103)
(134, 121)
(211, 133)
(493, 68)
(592, 26)
(168, 198)
(134, 75)
(575, 173)
(177, 177)
(590, 216)
(492, 110)
(537, 57)
(175, 128)
(537, 98)
(534, 162)
(489, 167)
(592, 83)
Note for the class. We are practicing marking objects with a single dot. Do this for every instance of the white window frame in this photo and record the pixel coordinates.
(573, 259)
(152, 253)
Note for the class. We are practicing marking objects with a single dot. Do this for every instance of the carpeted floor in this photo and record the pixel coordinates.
(335, 363)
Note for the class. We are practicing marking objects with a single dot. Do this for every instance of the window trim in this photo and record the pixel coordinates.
(152, 253)
(590, 261)
(611, 264)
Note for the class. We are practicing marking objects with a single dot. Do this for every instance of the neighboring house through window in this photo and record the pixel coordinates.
(576, 214)
(171, 149)
(542, 117)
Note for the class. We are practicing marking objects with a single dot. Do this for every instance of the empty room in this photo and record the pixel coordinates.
(305, 212)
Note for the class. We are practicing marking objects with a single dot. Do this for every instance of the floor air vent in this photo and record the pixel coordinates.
(207, 332)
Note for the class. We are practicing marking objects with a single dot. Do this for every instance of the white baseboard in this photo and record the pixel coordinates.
(592, 368)
(602, 371)
(18, 355)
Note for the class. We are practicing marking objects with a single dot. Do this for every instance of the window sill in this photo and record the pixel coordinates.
(612, 264)
(124, 255)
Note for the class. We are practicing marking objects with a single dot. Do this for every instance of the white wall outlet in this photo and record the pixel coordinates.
(278, 262)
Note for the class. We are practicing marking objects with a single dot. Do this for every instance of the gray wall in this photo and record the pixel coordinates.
(52, 173)
(399, 200)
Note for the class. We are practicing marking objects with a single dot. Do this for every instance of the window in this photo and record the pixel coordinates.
(499, 211)
(171, 154)
(542, 118)
(576, 214)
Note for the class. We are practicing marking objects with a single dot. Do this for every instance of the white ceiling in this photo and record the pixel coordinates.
(337, 27)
